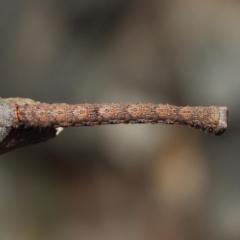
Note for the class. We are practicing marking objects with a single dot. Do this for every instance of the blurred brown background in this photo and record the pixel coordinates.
(123, 182)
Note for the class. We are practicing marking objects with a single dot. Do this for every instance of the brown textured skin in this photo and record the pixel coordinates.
(24, 121)
(65, 115)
